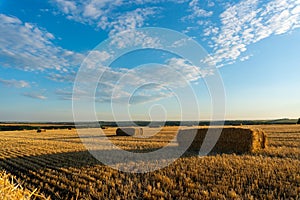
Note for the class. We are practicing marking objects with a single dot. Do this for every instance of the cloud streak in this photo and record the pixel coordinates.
(196, 11)
(229, 34)
(15, 83)
(249, 22)
(34, 95)
(143, 84)
(26, 46)
(104, 14)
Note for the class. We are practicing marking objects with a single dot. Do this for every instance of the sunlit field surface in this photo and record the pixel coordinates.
(57, 164)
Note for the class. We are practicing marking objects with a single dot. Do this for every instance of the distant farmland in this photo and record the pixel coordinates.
(57, 164)
(6, 126)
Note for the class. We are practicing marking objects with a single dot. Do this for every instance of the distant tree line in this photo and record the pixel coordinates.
(20, 128)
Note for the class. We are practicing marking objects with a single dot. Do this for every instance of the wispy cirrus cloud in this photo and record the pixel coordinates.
(248, 22)
(26, 46)
(34, 95)
(64, 94)
(131, 20)
(139, 85)
(229, 34)
(63, 77)
(104, 14)
(197, 11)
(15, 83)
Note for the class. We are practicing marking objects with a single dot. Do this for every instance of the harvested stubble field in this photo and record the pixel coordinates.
(58, 165)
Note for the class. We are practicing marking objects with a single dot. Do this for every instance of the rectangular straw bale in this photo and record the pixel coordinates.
(150, 131)
(129, 131)
(231, 140)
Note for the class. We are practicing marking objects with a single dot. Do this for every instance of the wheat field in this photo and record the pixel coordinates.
(57, 164)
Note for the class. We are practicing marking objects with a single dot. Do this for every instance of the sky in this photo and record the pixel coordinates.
(253, 45)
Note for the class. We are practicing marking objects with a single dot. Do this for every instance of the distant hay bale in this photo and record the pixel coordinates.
(143, 132)
(231, 140)
(151, 131)
(40, 130)
(129, 131)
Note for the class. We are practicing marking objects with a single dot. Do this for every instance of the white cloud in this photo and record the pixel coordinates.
(147, 83)
(151, 97)
(34, 95)
(130, 20)
(28, 47)
(95, 57)
(180, 43)
(5, 19)
(139, 85)
(210, 4)
(68, 7)
(134, 38)
(67, 93)
(197, 11)
(248, 22)
(245, 58)
(189, 72)
(210, 30)
(104, 14)
(15, 83)
(67, 77)
(241, 24)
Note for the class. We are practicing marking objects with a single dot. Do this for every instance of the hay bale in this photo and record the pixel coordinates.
(40, 130)
(150, 131)
(231, 140)
(126, 131)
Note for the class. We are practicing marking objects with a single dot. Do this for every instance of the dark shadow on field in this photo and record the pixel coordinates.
(30, 170)
(78, 159)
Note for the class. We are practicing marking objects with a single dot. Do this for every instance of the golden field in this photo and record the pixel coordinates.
(57, 164)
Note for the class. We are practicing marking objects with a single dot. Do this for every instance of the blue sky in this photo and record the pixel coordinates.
(254, 44)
